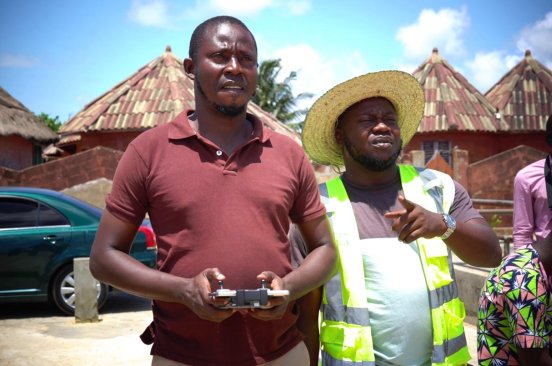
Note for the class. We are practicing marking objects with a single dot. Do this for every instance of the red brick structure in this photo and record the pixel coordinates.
(99, 162)
(494, 177)
(22, 134)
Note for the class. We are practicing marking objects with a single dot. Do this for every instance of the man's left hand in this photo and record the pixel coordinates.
(277, 305)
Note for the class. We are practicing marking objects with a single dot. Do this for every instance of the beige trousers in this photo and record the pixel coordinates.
(297, 356)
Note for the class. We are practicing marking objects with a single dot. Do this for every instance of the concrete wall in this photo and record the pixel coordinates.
(470, 281)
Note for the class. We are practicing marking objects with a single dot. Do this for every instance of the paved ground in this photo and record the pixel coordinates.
(35, 334)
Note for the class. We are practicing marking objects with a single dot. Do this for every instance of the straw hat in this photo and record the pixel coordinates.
(400, 88)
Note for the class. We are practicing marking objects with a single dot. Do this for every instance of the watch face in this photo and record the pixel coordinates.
(449, 221)
(451, 225)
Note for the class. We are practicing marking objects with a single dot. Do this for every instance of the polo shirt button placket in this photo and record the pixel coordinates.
(223, 163)
(220, 161)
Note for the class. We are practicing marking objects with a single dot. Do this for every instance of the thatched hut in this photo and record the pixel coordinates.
(22, 134)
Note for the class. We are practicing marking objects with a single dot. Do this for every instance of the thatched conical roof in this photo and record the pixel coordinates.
(16, 119)
(523, 96)
(154, 95)
(452, 103)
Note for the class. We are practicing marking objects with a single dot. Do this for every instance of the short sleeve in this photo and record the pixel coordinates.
(462, 206)
(307, 205)
(298, 247)
(523, 217)
(128, 197)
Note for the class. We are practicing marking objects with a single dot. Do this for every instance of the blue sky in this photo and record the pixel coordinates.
(56, 56)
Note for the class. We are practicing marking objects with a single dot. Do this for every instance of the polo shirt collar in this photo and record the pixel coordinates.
(180, 128)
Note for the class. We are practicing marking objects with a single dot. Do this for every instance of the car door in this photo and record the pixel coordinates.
(31, 235)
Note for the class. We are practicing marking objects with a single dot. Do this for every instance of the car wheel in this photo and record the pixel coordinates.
(63, 291)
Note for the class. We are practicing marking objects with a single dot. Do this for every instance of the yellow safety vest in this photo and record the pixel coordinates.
(345, 333)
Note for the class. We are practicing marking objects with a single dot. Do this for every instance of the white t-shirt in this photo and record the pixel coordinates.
(398, 299)
(398, 302)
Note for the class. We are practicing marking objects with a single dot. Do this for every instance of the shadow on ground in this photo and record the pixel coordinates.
(118, 302)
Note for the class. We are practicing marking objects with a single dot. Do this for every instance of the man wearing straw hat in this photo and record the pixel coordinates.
(394, 300)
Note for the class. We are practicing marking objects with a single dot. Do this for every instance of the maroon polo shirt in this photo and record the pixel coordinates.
(212, 210)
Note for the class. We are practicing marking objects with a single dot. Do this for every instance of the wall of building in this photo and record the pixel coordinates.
(113, 140)
(99, 162)
(15, 152)
(494, 177)
(481, 145)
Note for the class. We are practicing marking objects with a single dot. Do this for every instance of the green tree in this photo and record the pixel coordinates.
(53, 123)
(277, 97)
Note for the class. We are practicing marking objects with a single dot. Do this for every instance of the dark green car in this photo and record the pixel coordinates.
(41, 232)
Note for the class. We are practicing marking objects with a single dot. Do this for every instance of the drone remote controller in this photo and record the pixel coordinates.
(246, 299)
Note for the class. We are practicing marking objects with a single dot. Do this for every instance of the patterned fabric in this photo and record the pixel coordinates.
(514, 309)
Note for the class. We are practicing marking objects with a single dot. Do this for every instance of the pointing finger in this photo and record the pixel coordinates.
(409, 206)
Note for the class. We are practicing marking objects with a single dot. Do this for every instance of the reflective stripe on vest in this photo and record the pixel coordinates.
(329, 360)
(345, 332)
(435, 191)
(345, 316)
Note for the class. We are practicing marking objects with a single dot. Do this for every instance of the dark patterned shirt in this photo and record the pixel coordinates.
(514, 309)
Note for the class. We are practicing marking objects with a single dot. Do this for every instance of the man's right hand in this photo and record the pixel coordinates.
(197, 298)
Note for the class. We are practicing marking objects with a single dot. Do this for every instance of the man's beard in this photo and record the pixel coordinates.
(371, 162)
(230, 111)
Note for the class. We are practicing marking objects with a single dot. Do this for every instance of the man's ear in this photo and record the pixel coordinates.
(188, 66)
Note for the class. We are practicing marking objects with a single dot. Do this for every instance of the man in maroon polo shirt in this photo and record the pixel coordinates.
(220, 191)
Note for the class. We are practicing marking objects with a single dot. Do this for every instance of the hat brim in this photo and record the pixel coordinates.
(400, 88)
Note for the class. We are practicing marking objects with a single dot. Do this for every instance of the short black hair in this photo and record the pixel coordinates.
(199, 32)
(549, 131)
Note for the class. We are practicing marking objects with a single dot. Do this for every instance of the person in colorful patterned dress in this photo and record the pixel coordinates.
(515, 309)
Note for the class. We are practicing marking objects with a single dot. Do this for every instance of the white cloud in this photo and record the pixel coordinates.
(538, 39)
(486, 68)
(17, 61)
(296, 7)
(317, 73)
(443, 29)
(244, 8)
(153, 13)
(406, 67)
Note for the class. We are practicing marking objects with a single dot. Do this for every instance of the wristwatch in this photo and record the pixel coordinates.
(450, 222)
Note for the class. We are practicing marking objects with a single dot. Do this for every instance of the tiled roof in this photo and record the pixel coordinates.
(16, 119)
(452, 103)
(68, 139)
(524, 95)
(154, 95)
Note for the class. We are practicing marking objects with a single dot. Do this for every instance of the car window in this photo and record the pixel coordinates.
(15, 212)
(50, 217)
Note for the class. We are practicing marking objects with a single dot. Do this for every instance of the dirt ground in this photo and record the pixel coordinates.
(35, 334)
